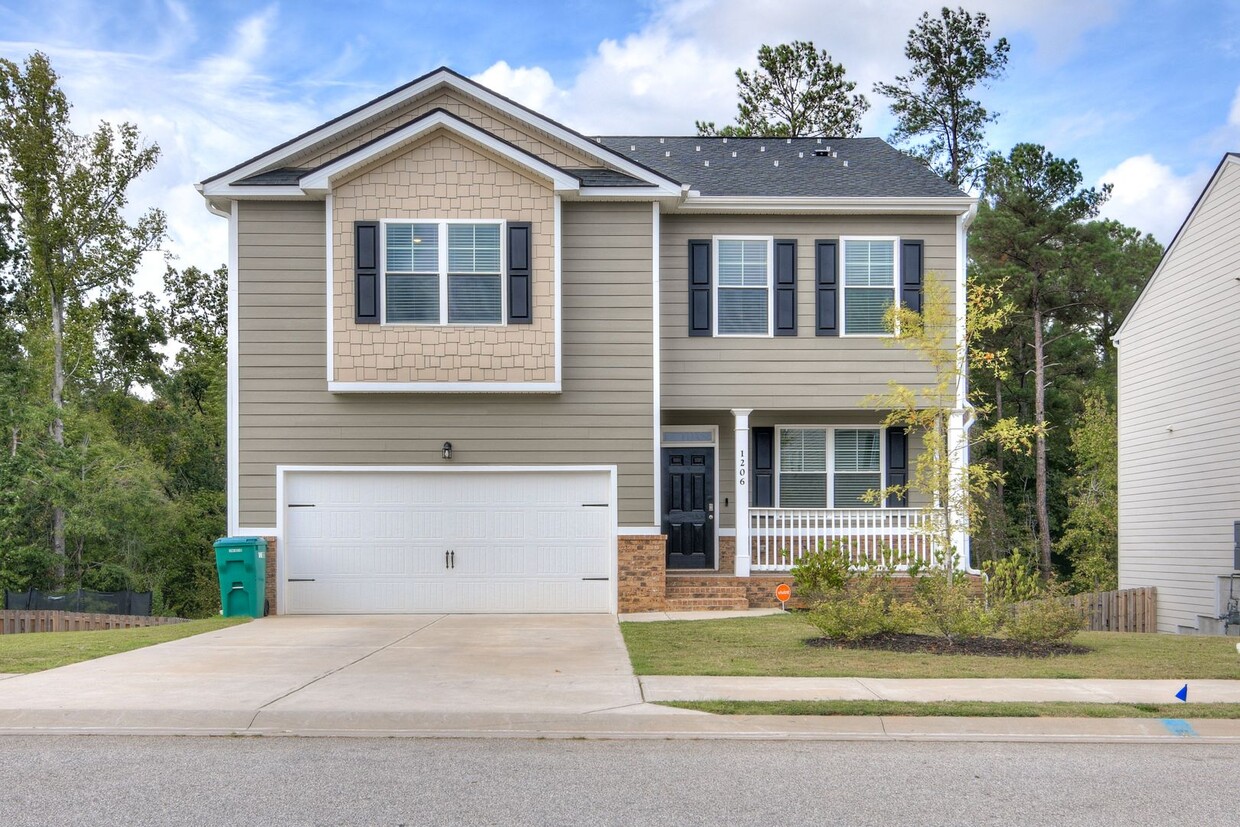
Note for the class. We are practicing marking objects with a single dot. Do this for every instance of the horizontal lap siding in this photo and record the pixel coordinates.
(603, 417)
(805, 372)
(1179, 437)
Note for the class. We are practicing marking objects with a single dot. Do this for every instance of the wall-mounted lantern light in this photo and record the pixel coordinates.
(447, 450)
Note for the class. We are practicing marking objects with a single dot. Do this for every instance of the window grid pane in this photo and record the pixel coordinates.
(869, 263)
(473, 248)
(849, 489)
(802, 449)
(474, 299)
(412, 299)
(742, 262)
(743, 310)
(412, 248)
(857, 450)
(802, 490)
(865, 309)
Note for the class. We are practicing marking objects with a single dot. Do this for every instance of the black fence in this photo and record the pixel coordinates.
(82, 600)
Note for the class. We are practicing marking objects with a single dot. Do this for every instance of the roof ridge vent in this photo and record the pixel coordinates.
(789, 140)
(725, 140)
(822, 153)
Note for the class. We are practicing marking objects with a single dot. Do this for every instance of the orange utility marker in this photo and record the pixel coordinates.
(782, 592)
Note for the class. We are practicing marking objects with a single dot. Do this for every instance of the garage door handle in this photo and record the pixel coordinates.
(596, 578)
(301, 580)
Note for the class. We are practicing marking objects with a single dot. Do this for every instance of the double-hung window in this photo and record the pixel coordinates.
(829, 467)
(443, 272)
(870, 285)
(743, 286)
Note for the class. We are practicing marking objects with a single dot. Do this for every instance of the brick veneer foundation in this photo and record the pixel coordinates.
(642, 585)
(271, 573)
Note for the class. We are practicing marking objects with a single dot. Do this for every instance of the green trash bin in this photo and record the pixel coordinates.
(242, 565)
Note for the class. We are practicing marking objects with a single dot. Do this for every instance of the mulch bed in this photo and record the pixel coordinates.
(931, 645)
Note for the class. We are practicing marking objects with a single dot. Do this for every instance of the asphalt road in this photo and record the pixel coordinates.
(66, 780)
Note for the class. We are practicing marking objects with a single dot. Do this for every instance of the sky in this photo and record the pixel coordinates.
(1144, 94)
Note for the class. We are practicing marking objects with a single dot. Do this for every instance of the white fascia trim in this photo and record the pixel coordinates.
(232, 401)
(610, 157)
(253, 192)
(331, 276)
(656, 299)
(639, 531)
(319, 181)
(639, 193)
(557, 294)
(443, 387)
(752, 204)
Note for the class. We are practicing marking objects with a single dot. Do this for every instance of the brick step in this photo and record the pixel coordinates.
(691, 592)
(703, 604)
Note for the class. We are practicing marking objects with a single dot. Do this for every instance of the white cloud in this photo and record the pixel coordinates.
(1150, 196)
(532, 87)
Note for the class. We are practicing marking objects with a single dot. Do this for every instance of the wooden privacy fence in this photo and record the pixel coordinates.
(1127, 610)
(17, 621)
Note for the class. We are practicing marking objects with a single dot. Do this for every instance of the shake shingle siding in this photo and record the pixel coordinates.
(604, 416)
(1179, 428)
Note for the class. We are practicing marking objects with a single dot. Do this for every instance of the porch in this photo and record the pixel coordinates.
(892, 538)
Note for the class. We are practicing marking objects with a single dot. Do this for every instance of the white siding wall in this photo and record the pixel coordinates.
(1179, 416)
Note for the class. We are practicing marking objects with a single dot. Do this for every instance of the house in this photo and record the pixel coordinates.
(1179, 434)
(480, 362)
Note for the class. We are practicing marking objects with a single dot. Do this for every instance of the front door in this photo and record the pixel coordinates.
(689, 507)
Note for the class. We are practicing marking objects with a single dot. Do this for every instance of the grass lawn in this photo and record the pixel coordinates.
(962, 709)
(776, 646)
(37, 651)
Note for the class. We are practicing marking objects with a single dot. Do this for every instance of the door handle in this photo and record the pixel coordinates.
(445, 559)
(452, 557)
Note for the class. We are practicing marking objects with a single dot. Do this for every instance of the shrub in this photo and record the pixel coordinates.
(868, 606)
(1013, 579)
(1046, 620)
(823, 573)
(951, 608)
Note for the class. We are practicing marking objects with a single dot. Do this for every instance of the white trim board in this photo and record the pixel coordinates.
(232, 398)
(657, 379)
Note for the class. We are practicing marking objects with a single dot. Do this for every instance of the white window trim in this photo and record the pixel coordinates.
(830, 446)
(895, 282)
(770, 291)
(443, 271)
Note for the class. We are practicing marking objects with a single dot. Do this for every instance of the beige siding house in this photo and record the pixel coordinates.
(480, 362)
(1179, 433)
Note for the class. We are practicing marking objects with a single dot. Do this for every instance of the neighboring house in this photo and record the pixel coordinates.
(480, 362)
(1179, 432)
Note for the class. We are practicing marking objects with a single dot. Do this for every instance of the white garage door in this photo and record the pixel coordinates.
(485, 541)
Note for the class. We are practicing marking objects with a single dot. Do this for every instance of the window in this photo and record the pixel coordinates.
(443, 272)
(858, 467)
(812, 477)
(869, 284)
(743, 279)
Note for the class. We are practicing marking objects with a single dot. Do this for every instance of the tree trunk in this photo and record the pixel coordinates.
(58, 425)
(1039, 416)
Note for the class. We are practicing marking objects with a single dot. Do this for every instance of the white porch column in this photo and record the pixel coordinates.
(742, 490)
(958, 452)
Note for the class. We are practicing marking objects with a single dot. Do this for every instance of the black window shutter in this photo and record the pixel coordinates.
(366, 272)
(785, 288)
(897, 465)
(826, 288)
(911, 270)
(762, 469)
(699, 288)
(520, 287)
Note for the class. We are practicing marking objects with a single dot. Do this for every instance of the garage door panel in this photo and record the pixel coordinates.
(376, 542)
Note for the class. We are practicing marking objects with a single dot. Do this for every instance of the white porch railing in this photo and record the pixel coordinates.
(780, 536)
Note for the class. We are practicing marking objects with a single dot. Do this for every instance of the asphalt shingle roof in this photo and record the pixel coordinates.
(855, 167)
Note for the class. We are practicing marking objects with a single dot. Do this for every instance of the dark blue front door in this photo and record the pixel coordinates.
(689, 507)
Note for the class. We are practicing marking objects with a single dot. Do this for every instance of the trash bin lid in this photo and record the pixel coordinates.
(241, 542)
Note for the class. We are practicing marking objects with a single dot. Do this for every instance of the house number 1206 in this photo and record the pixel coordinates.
(741, 468)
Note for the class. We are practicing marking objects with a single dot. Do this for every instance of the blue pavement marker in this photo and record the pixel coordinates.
(1178, 726)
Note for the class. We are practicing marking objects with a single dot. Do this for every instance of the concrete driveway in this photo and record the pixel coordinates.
(344, 672)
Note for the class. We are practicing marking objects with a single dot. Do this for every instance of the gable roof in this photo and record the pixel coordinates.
(787, 167)
(374, 109)
(711, 174)
(1229, 158)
